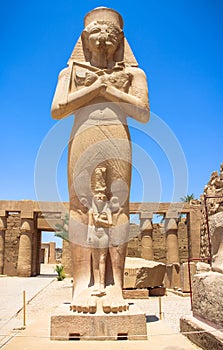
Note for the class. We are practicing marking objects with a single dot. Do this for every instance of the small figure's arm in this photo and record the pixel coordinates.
(91, 227)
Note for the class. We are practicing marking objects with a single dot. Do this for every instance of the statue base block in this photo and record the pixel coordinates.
(126, 325)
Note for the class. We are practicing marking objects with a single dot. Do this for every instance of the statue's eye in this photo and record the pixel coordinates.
(95, 30)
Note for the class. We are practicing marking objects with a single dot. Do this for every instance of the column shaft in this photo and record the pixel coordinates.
(24, 267)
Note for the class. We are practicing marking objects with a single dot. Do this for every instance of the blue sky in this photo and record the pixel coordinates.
(179, 46)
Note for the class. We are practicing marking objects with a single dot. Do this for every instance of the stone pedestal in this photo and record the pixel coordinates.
(69, 325)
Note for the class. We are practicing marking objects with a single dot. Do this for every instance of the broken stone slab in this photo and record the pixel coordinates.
(216, 231)
(202, 334)
(208, 296)
(141, 273)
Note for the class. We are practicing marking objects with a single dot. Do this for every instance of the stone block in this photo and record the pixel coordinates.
(208, 296)
(157, 292)
(67, 325)
(135, 293)
(202, 334)
(172, 278)
(141, 273)
(184, 275)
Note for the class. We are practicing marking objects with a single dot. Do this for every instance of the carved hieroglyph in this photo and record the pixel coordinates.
(101, 86)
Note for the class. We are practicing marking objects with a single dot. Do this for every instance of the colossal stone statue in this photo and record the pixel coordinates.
(101, 86)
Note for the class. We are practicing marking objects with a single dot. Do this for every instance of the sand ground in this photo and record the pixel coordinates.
(44, 294)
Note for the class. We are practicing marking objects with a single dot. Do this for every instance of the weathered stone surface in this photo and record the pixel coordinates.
(101, 72)
(216, 231)
(142, 293)
(213, 198)
(12, 237)
(202, 267)
(157, 291)
(184, 275)
(201, 334)
(208, 296)
(46, 214)
(172, 277)
(66, 258)
(129, 324)
(141, 273)
(24, 267)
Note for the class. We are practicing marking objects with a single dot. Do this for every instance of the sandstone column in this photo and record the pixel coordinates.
(52, 255)
(38, 245)
(2, 243)
(173, 260)
(146, 237)
(66, 258)
(194, 226)
(24, 267)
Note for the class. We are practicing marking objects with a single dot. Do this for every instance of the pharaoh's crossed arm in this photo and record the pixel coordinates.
(133, 100)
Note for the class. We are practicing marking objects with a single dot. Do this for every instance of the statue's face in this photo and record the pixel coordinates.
(103, 37)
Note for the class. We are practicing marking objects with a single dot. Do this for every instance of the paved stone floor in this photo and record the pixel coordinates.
(44, 293)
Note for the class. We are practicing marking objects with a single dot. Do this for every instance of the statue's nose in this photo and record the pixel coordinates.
(103, 36)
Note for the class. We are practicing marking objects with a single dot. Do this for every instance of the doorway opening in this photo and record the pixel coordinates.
(50, 252)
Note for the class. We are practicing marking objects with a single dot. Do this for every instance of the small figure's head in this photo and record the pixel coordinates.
(100, 197)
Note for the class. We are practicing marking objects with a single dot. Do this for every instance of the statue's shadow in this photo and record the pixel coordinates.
(151, 318)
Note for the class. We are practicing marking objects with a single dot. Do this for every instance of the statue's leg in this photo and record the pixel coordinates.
(95, 265)
(102, 269)
(114, 300)
(81, 258)
(99, 268)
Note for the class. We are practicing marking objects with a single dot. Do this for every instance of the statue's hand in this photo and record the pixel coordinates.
(90, 78)
(103, 81)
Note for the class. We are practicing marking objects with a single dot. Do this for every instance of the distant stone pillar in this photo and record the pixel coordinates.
(172, 242)
(38, 252)
(194, 227)
(2, 242)
(173, 259)
(66, 258)
(52, 253)
(46, 254)
(146, 239)
(24, 267)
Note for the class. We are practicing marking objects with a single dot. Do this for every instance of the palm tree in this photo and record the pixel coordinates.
(62, 230)
(187, 198)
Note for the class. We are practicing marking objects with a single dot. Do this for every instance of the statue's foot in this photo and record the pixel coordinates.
(84, 302)
(114, 301)
(98, 290)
